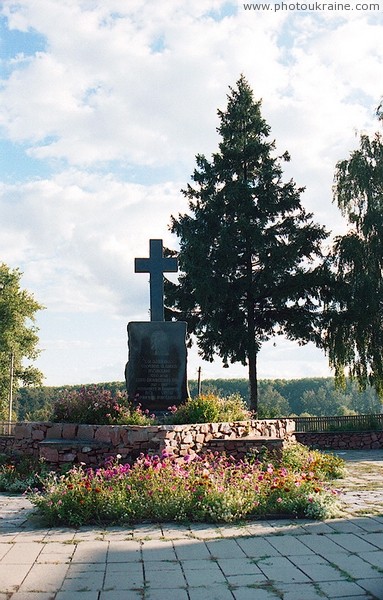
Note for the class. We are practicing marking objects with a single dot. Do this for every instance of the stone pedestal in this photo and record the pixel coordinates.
(156, 371)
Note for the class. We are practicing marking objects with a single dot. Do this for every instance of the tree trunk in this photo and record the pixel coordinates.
(253, 383)
(252, 348)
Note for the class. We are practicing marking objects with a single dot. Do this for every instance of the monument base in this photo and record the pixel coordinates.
(156, 370)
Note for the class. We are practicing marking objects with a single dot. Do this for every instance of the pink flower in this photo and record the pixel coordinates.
(279, 500)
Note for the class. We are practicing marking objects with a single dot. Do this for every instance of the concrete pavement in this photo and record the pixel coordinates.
(259, 560)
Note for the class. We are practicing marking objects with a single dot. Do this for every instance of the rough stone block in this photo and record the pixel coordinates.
(67, 457)
(102, 433)
(115, 435)
(69, 431)
(22, 430)
(225, 428)
(49, 454)
(136, 436)
(54, 432)
(85, 432)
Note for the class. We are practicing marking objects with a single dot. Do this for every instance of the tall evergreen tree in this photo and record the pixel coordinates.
(354, 332)
(247, 247)
(18, 336)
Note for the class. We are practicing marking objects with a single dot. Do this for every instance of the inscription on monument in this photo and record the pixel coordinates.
(156, 371)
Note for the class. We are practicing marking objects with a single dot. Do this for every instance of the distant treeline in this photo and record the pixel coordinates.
(277, 397)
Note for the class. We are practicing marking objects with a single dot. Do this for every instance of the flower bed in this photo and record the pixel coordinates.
(210, 488)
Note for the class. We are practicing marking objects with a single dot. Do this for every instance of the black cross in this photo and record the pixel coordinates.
(156, 265)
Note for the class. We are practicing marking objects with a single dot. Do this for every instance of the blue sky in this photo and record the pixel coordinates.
(103, 107)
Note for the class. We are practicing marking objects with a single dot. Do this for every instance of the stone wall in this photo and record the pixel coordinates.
(341, 440)
(91, 444)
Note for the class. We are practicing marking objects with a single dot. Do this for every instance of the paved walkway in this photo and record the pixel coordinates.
(260, 560)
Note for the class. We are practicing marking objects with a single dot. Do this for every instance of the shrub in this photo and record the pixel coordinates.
(300, 458)
(18, 474)
(210, 488)
(98, 406)
(210, 408)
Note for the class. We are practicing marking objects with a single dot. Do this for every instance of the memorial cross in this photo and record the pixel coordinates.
(156, 265)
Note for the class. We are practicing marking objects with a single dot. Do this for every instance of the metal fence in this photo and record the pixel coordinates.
(345, 423)
(7, 427)
(304, 424)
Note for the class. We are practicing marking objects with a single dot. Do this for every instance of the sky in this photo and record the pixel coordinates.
(104, 105)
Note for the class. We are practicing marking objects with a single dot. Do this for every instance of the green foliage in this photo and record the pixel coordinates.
(354, 329)
(371, 423)
(300, 458)
(272, 404)
(21, 473)
(311, 396)
(248, 249)
(18, 336)
(210, 488)
(98, 406)
(210, 408)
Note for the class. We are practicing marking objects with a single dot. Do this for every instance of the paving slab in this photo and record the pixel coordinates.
(355, 567)
(353, 543)
(165, 594)
(24, 553)
(301, 591)
(279, 568)
(153, 550)
(226, 548)
(374, 586)
(191, 550)
(238, 566)
(288, 545)
(12, 576)
(259, 560)
(212, 592)
(33, 596)
(44, 578)
(125, 551)
(256, 594)
(124, 580)
(323, 544)
(256, 547)
(341, 589)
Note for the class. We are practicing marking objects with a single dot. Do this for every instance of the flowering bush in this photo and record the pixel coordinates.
(209, 488)
(300, 458)
(210, 408)
(97, 406)
(17, 474)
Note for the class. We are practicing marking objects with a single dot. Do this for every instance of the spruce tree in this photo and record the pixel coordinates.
(248, 250)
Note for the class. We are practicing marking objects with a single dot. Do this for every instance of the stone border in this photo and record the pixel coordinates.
(41, 440)
(342, 440)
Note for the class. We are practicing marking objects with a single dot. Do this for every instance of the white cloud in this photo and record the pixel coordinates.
(116, 106)
(78, 234)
